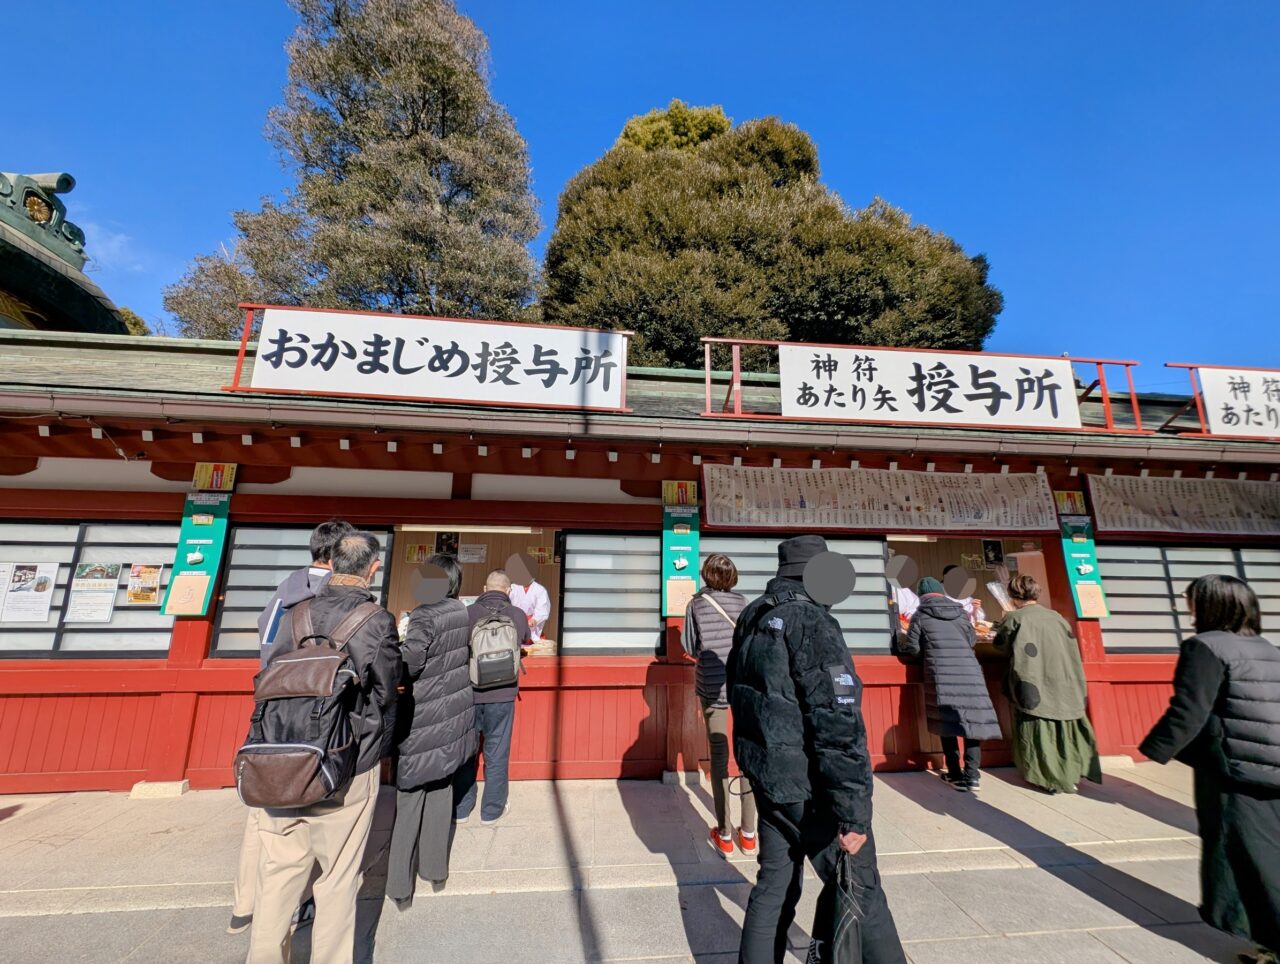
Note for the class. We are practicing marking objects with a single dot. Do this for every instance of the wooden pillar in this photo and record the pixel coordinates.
(169, 746)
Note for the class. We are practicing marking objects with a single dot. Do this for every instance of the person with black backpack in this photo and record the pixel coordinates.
(299, 585)
(311, 758)
(499, 633)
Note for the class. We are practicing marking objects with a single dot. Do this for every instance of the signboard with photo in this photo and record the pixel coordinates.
(93, 592)
(28, 591)
(942, 388)
(144, 584)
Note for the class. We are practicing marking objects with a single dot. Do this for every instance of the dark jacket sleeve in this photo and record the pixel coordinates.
(834, 730)
(1006, 633)
(417, 643)
(909, 644)
(1196, 684)
(383, 672)
(689, 637)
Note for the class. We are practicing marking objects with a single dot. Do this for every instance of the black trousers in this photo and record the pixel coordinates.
(788, 834)
(972, 756)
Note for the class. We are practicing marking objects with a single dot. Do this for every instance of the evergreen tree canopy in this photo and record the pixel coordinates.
(412, 185)
(682, 231)
(679, 126)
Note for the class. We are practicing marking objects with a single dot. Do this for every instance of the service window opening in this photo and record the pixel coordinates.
(988, 560)
(479, 550)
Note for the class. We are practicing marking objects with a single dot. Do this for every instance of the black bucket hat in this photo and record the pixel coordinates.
(795, 553)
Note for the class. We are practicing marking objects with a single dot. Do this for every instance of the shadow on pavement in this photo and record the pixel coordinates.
(1141, 799)
(703, 887)
(1121, 892)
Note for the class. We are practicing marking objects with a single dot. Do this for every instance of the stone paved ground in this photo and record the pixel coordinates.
(598, 870)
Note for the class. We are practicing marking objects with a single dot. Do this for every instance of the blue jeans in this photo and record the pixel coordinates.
(494, 721)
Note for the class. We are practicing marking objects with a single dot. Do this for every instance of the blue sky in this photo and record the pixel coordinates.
(1118, 163)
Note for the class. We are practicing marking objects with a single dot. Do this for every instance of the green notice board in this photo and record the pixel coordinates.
(200, 546)
(679, 557)
(1082, 566)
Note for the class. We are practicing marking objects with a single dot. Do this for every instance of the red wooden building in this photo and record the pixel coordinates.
(100, 437)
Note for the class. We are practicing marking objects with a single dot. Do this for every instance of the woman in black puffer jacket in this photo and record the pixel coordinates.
(957, 703)
(438, 735)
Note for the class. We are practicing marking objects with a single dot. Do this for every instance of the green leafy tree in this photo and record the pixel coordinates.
(680, 236)
(412, 188)
(679, 126)
(133, 321)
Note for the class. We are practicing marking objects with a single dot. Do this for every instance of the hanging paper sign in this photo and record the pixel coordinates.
(144, 584)
(29, 592)
(214, 477)
(93, 592)
(1130, 503)
(800, 499)
(439, 359)
(937, 388)
(1241, 402)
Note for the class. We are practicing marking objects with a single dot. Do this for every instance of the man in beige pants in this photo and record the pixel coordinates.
(331, 835)
(334, 835)
(297, 586)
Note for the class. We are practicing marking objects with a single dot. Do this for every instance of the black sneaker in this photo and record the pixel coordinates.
(972, 781)
(959, 784)
(239, 925)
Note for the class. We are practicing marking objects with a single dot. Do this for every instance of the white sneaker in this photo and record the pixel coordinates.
(484, 821)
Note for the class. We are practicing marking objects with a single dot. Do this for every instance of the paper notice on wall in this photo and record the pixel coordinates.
(472, 553)
(93, 592)
(876, 499)
(30, 592)
(679, 593)
(1130, 503)
(186, 594)
(144, 584)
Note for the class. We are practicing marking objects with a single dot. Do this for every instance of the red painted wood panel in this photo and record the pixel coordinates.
(220, 726)
(47, 739)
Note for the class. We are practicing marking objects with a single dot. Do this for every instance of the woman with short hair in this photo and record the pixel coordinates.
(438, 734)
(709, 623)
(1224, 722)
(1053, 743)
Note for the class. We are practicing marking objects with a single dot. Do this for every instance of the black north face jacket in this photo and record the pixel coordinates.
(797, 706)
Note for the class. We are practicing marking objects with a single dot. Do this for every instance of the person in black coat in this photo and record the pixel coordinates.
(957, 703)
(800, 739)
(440, 736)
(1224, 722)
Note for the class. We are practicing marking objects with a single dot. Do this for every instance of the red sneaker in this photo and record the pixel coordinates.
(721, 845)
(747, 843)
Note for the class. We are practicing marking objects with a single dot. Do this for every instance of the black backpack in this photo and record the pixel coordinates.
(301, 748)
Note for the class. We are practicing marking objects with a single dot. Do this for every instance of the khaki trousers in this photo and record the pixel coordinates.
(244, 896)
(333, 835)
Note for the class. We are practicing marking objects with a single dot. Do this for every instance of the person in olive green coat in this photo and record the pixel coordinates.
(1053, 743)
